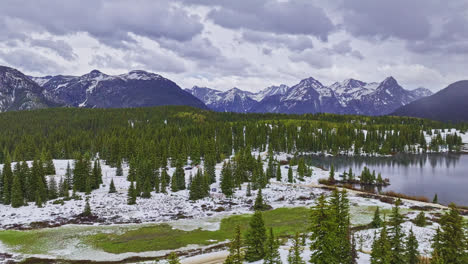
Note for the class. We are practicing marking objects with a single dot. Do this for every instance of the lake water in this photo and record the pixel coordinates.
(426, 175)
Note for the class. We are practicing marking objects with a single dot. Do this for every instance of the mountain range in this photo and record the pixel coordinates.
(92, 90)
(18, 92)
(311, 96)
(140, 88)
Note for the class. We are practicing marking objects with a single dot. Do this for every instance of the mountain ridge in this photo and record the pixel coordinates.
(448, 104)
(350, 96)
(136, 88)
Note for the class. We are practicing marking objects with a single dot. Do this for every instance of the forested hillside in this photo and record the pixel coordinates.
(169, 132)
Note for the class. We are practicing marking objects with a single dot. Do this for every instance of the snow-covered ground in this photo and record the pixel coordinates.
(113, 208)
(206, 213)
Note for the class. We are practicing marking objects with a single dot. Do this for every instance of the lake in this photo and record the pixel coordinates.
(421, 175)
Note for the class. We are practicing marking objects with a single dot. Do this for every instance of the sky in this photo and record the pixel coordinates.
(249, 44)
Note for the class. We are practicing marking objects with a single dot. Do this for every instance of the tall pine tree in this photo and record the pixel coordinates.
(255, 238)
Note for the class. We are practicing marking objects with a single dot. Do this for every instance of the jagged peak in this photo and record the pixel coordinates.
(93, 74)
(236, 90)
(390, 81)
(353, 83)
(311, 81)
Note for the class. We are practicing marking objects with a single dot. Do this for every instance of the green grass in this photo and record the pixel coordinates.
(285, 221)
(151, 237)
(154, 237)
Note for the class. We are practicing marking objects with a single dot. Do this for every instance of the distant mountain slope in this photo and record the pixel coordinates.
(19, 92)
(233, 100)
(134, 89)
(449, 104)
(311, 96)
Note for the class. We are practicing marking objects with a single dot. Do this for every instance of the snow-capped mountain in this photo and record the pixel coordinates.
(422, 92)
(311, 96)
(352, 89)
(133, 89)
(233, 100)
(18, 92)
(271, 91)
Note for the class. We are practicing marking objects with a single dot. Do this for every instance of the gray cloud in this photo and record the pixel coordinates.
(140, 58)
(108, 21)
(108, 61)
(267, 51)
(198, 48)
(296, 17)
(58, 46)
(426, 25)
(344, 48)
(315, 58)
(292, 42)
(30, 61)
(383, 19)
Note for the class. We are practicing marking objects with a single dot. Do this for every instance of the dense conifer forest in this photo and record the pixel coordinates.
(150, 141)
(182, 132)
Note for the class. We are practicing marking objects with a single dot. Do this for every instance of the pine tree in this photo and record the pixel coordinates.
(173, 259)
(96, 175)
(381, 248)
(452, 241)
(63, 188)
(39, 182)
(7, 181)
(294, 256)
(420, 219)
(164, 180)
(255, 238)
(270, 172)
(249, 190)
(236, 254)
(278, 173)
(49, 167)
(272, 255)
(354, 254)
(437, 244)
(260, 204)
(38, 199)
(147, 188)
(69, 176)
(119, 169)
(131, 197)
(226, 180)
(376, 221)
(331, 177)
(52, 188)
(199, 188)
(397, 235)
(17, 198)
(112, 187)
(323, 228)
(60, 188)
(411, 254)
(290, 175)
(350, 175)
(87, 210)
(210, 169)
(178, 179)
(339, 204)
(435, 199)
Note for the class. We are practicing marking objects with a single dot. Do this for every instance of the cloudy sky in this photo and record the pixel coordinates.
(250, 44)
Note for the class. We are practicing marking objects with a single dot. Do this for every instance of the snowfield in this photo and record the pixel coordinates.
(176, 210)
